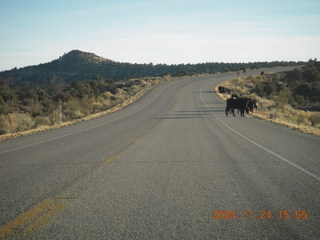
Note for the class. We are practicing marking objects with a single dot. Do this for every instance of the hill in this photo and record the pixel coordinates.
(72, 66)
(77, 65)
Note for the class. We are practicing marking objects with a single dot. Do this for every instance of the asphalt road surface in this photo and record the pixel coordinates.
(170, 166)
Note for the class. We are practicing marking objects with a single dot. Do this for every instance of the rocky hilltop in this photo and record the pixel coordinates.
(82, 58)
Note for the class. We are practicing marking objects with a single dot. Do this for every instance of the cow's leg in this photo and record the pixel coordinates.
(227, 111)
(232, 110)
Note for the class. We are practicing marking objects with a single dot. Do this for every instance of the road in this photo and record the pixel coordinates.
(170, 166)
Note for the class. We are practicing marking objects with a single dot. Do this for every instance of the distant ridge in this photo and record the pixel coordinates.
(78, 65)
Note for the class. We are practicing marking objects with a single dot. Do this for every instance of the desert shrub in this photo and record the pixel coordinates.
(107, 95)
(315, 119)
(71, 115)
(272, 115)
(4, 107)
(298, 118)
(26, 122)
(56, 115)
(269, 107)
(42, 121)
(79, 89)
(77, 108)
(134, 89)
(300, 99)
(97, 107)
(303, 89)
(4, 126)
(301, 119)
(72, 105)
(3, 131)
(259, 89)
(86, 105)
(9, 123)
(144, 83)
(129, 83)
(120, 95)
(113, 98)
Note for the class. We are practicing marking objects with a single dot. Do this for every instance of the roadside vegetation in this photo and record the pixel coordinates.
(33, 108)
(291, 98)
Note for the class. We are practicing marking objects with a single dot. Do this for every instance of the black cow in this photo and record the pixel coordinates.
(237, 103)
(227, 90)
(224, 90)
(221, 89)
(253, 104)
(235, 96)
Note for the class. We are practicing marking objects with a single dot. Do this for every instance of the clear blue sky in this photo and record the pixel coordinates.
(162, 31)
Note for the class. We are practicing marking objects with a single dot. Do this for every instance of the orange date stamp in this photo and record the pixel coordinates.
(263, 214)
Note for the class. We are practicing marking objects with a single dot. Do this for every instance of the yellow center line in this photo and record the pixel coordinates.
(29, 221)
(43, 219)
(109, 160)
(24, 218)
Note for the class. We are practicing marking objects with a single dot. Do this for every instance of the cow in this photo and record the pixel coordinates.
(224, 90)
(237, 103)
(253, 104)
(227, 90)
(235, 96)
(221, 89)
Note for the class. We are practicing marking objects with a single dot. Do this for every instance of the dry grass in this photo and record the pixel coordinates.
(305, 121)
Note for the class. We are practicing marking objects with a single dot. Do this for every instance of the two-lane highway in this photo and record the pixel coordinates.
(170, 166)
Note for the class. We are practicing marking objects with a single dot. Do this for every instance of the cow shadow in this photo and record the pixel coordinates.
(212, 102)
(193, 114)
(205, 92)
(205, 111)
(184, 115)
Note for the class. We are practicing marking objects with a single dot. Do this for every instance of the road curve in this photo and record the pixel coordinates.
(170, 166)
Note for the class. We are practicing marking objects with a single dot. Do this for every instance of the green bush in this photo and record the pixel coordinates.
(300, 100)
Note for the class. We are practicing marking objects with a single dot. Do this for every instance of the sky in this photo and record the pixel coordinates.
(159, 31)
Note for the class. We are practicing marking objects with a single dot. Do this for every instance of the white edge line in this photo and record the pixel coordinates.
(260, 146)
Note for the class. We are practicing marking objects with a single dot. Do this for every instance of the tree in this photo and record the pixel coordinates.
(304, 89)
